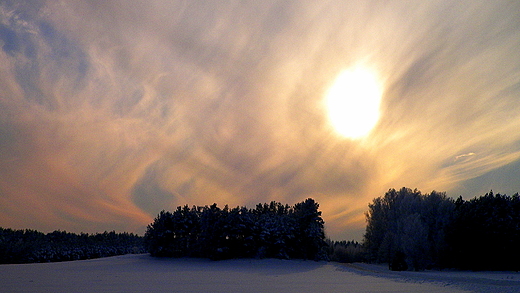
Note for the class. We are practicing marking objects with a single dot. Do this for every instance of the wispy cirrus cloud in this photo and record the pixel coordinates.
(111, 111)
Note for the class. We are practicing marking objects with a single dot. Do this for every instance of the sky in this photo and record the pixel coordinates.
(111, 111)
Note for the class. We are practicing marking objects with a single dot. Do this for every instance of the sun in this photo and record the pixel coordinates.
(353, 102)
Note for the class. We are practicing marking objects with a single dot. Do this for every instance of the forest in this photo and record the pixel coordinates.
(270, 230)
(414, 231)
(28, 246)
(405, 228)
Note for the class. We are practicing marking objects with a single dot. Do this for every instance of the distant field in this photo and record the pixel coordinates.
(142, 273)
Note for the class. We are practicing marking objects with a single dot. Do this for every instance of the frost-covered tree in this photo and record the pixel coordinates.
(410, 224)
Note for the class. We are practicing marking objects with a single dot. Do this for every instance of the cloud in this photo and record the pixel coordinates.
(112, 111)
(463, 156)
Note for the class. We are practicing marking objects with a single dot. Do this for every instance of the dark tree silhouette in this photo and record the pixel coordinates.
(269, 230)
(433, 230)
(26, 246)
(346, 251)
(486, 233)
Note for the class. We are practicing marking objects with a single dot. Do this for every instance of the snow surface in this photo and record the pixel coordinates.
(142, 273)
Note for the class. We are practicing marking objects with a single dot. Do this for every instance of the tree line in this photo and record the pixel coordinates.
(405, 228)
(270, 230)
(410, 230)
(29, 246)
(345, 251)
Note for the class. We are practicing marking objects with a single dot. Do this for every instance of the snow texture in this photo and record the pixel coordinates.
(142, 273)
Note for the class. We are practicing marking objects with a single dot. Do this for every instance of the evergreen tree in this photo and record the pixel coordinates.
(160, 237)
(270, 230)
(26, 246)
(310, 233)
(486, 233)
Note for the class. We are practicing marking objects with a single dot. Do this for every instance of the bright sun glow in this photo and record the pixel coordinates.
(353, 102)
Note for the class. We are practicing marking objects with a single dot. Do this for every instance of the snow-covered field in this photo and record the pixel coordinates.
(142, 273)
